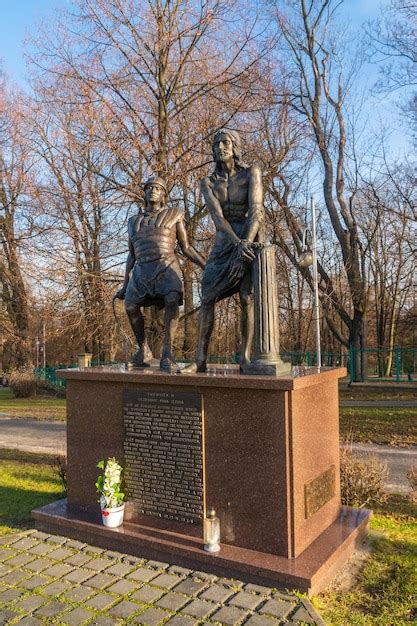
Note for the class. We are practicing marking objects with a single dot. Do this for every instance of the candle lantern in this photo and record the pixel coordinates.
(211, 531)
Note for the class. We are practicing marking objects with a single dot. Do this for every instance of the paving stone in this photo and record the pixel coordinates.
(282, 595)
(151, 617)
(157, 564)
(78, 559)
(101, 601)
(9, 595)
(123, 587)
(78, 594)
(73, 543)
(104, 620)
(6, 616)
(51, 609)
(246, 600)
(6, 553)
(302, 615)
(124, 609)
(39, 534)
(182, 620)
(98, 565)
(180, 571)
(41, 549)
(20, 559)
(217, 593)
(59, 539)
(312, 611)
(230, 582)
(199, 608)
(147, 594)
(56, 588)
(112, 554)
(15, 577)
(30, 603)
(78, 575)
(29, 620)
(26, 543)
(119, 569)
(263, 591)
(262, 620)
(33, 582)
(204, 576)
(191, 587)
(277, 608)
(93, 550)
(229, 615)
(166, 581)
(4, 570)
(38, 565)
(60, 553)
(5, 541)
(133, 560)
(172, 601)
(143, 574)
(58, 571)
(76, 617)
(100, 581)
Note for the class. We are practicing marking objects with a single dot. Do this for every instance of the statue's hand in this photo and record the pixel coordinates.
(237, 269)
(120, 295)
(245, 252)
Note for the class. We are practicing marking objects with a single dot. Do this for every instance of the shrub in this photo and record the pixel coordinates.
(361, 478)
(22, 383)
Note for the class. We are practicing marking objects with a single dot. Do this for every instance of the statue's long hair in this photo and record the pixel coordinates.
(237, 151)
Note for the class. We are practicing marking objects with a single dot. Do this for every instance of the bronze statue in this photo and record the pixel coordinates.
(153, 274)
(234, 197)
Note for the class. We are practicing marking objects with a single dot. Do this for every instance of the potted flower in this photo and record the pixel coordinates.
(108, 485)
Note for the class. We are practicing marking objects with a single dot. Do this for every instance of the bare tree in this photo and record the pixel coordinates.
(16, 187)
(317, 93)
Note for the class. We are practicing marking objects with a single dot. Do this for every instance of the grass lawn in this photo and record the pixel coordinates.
(25, 485)
(397, 426)
(386, 392)
(39, 407)
(385, 591)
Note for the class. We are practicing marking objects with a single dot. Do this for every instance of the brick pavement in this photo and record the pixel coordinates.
(47, 579)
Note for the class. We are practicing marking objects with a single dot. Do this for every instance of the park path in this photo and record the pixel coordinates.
(30, 435)
(382, 404)
(47, 437)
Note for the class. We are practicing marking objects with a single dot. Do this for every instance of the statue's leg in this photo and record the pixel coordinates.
(205, 329)
(172, 301)
(137, 323)
(246, 321)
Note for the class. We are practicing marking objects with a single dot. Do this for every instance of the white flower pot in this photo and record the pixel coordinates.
(112, 518)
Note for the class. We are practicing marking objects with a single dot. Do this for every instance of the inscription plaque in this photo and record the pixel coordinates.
(163, 454)
(319, 491)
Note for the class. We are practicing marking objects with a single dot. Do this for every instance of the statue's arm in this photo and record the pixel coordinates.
(190, 252)
(255, 218)
(130, 262)
(215, 210)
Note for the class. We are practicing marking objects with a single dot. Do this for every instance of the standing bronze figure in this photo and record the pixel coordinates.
(234, 197)
(153, 274)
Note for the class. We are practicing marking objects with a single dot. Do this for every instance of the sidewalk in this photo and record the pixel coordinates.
(45, 437)
(50, 579)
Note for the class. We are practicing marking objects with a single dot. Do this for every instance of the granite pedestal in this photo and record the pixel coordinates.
(269, 466)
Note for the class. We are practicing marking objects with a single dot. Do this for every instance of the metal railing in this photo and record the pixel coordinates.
(397, 365)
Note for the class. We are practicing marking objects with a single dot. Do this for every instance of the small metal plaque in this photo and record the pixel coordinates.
(319, 491)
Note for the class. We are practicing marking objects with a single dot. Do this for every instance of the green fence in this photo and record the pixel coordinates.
(396, 365)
